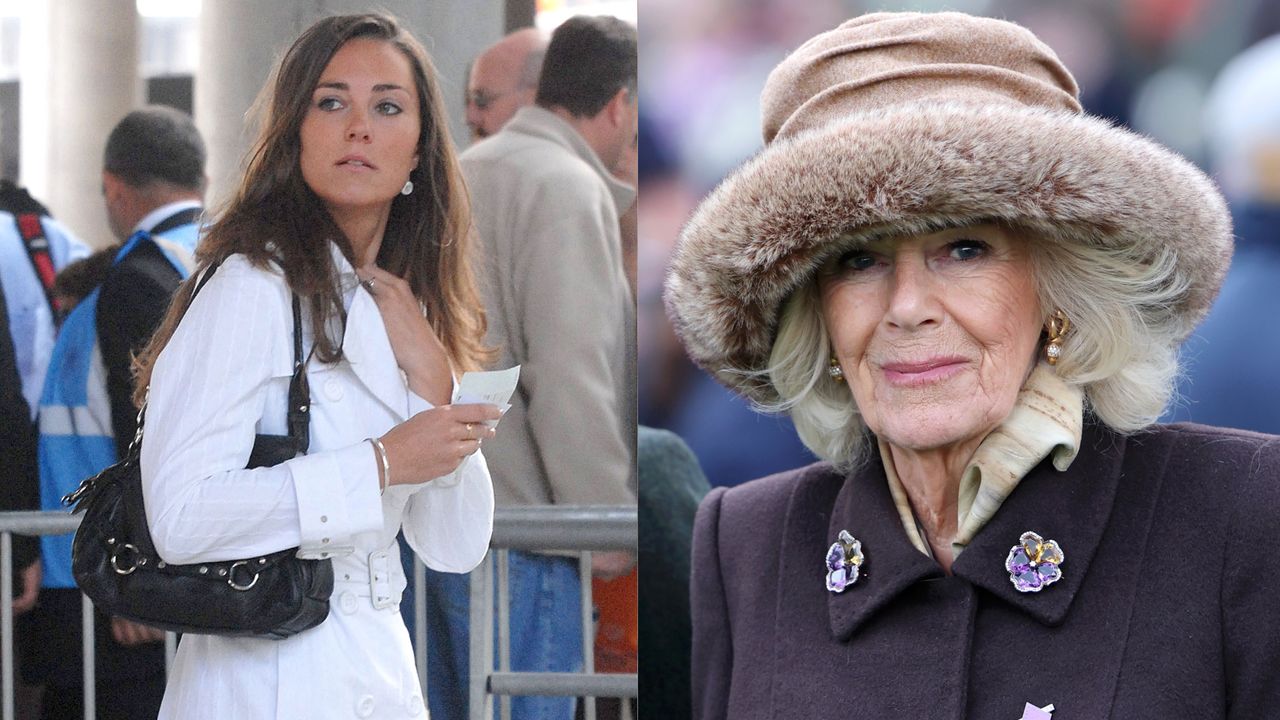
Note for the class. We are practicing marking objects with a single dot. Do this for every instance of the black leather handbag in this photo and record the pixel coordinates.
(115, 563)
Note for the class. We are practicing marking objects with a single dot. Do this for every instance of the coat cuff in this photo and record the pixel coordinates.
(418, 404)
(338, 499)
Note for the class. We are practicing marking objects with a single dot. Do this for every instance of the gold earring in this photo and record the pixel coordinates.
(835, 371)
(1057, 328)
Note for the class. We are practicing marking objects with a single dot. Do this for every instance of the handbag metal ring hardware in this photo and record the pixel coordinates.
(74, 496)
(231, 576)
(115, 558)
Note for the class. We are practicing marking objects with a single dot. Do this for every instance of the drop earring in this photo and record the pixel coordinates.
(408, 187)
(1057, 328)
(835, 371)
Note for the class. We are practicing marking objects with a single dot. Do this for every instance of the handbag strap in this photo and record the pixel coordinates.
(297, 416)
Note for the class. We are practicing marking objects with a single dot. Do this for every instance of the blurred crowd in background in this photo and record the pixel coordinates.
(1156, 66)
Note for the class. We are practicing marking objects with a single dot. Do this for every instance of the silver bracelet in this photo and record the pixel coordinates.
(382, 458)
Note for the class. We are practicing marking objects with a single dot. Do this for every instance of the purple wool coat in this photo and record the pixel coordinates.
(1167, 607)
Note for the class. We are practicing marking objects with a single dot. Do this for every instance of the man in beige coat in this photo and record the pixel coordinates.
(546, 208)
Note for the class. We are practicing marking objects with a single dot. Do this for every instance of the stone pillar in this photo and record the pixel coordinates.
(454, 32)
(83, 79)
(520, 14)
(241, 41)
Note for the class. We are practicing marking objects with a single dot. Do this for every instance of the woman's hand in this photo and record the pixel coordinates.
(434, 442)
(418, 350)
(129, 633)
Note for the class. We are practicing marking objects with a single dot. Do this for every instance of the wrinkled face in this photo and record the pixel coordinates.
(935, 333)
(360, 135)
(494, 94)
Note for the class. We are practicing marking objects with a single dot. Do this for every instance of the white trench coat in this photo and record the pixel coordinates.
(222, 378)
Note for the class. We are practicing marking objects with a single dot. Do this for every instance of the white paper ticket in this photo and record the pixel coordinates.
(494, 387)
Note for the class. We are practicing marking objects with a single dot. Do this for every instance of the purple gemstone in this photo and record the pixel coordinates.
(835, 557)
(1019, 563)
(1028, 581)
(837, 580)
(1049, 573)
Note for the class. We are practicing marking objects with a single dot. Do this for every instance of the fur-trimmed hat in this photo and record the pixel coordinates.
(908, 123)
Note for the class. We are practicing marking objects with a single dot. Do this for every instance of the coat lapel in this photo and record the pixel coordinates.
(1071, 507)
(865, 508)
(366, 346)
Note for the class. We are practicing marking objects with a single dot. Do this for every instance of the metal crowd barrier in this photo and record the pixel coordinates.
(34, 523)
(576, 529)
(564, 528)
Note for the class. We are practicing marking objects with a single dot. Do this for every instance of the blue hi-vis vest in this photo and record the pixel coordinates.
(76, 437)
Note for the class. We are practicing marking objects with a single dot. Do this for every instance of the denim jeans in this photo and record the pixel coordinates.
(408, 560)
(546, 634)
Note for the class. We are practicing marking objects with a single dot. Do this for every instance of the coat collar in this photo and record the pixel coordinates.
(1071, 507)
(865, 508)
(365, 343)
(158, 220)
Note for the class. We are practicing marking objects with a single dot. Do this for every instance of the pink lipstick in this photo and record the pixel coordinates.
(913, 373)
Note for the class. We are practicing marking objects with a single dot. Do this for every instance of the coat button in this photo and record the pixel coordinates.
(415, 705)
(333, 389)
(348, 602)
(364, 706)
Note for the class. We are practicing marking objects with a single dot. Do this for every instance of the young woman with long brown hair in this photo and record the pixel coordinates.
(351, 200)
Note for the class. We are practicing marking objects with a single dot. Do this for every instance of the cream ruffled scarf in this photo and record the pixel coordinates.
(1047, 418)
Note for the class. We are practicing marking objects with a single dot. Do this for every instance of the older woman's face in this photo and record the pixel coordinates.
(360, 135)
(935, 333)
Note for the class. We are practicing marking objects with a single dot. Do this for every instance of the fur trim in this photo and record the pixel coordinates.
(916, 168)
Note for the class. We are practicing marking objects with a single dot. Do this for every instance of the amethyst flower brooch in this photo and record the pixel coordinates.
(1033, 563)
(843, 562)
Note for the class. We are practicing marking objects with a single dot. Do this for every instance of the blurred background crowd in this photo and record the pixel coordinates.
(1198, 76)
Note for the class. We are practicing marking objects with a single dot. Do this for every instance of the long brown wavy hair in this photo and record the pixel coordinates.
(274, 215)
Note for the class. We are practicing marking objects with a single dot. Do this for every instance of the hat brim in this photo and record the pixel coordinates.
(769, 226)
